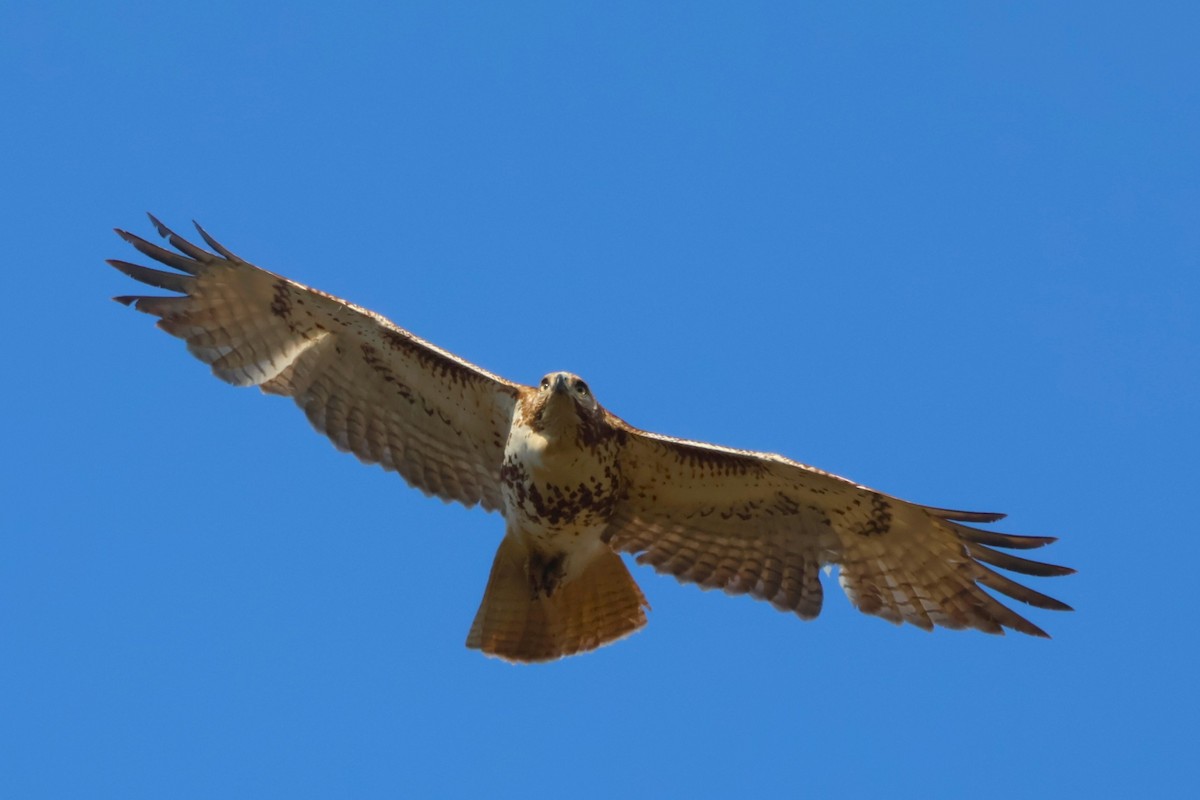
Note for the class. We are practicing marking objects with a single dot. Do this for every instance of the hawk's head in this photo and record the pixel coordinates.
(564, 406)
(562, 391)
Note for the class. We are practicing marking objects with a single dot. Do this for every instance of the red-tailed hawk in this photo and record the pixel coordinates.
(576, 484)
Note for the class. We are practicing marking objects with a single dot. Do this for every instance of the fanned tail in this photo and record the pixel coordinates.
(517, 623)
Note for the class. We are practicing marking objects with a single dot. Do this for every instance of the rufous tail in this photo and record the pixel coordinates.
(517, 623)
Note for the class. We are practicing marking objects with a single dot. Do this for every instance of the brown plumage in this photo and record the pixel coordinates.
(602, 604)
(577, 485)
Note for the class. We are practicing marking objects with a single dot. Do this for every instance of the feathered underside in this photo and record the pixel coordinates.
(745, 522)
(760, 524)
(373, 388)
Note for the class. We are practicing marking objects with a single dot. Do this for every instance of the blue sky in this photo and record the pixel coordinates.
(950, 251)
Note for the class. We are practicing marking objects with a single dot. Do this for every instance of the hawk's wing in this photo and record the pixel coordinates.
(758, 523)
(373, 388)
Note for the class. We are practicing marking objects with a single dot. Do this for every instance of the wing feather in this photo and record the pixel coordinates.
(373, 388)
(759, 523)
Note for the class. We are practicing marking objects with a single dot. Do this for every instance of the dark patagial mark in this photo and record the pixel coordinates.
(880, 521)
(438, 363)
(718, 461)
(379, 366)
(281, 303)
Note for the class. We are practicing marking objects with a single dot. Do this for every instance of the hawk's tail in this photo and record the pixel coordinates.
(517, 623)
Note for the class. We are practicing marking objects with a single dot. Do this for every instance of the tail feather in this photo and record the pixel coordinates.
(597, 606)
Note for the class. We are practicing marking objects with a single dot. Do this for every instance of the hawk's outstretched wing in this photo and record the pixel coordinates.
(373, 388)
(758, 523)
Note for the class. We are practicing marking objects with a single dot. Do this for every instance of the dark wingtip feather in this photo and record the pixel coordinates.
(179, 243)
(153, 304)
(998, 583)
(171, 281)
(214, 244)
(1015, 563)
(163, 230)
(192, 265)
(994, 539)
(975, 516)
(965, 516)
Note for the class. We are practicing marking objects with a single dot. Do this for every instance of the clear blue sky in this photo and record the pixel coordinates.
(948, 250)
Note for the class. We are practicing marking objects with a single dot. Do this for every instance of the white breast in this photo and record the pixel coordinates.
(554, 489)
(525, 445)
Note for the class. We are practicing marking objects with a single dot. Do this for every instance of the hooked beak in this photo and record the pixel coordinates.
(560, 384)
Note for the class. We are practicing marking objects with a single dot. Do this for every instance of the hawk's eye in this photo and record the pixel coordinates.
(581, 387)
(545, 382)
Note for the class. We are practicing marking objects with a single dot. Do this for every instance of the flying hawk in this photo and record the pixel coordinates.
(576, 484)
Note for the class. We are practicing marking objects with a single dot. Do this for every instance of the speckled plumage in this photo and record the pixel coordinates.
(576, 484)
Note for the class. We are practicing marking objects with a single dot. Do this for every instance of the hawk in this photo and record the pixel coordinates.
(577, 485)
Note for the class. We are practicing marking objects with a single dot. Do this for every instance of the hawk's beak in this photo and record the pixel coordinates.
(560, 384)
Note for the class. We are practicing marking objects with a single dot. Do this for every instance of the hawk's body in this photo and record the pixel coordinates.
(561, 483)
(577, 485)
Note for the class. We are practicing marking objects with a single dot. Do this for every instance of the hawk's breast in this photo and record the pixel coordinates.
(557, 486)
